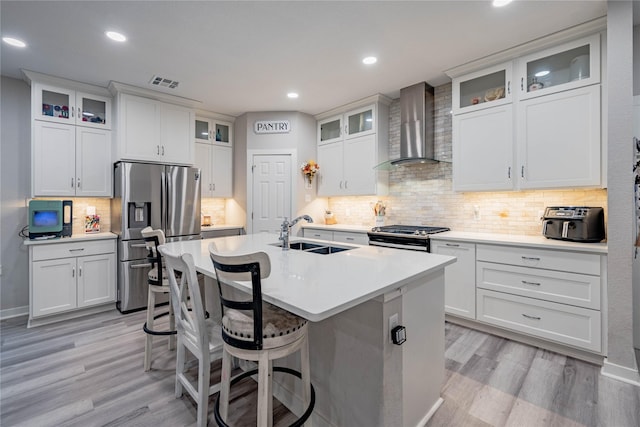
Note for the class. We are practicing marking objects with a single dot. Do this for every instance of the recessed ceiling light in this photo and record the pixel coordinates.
(542, 73)
(500, 3)
(370, 60)
(14, 42)
(292, 95)
(116, 36)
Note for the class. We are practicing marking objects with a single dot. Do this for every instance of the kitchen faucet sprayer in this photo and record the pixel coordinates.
(285, 229)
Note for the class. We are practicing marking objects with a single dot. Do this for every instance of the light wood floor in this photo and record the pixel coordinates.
(88, 372)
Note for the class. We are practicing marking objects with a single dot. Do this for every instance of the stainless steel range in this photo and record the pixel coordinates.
(412, 237)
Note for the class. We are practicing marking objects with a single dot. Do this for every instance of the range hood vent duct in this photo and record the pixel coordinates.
(416, 127)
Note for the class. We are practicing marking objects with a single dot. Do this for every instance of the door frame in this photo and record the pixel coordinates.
(294, 169)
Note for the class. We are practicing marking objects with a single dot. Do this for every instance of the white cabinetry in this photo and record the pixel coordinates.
(70, 139)
(152, 130)
(358, 238)
(539, 130)
(71, 276)
(214, 156)
(460, 277)
(352, 140)
(549, 294)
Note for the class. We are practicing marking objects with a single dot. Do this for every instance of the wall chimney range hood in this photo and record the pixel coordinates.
(416, 127)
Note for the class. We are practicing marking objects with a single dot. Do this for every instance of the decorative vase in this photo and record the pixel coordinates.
(308, 180)
(379, 220)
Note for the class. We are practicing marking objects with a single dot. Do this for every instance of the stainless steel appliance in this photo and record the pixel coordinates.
(574, 223)
(413, 237)
(161, 196)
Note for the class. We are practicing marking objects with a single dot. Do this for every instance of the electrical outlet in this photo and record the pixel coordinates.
(476, 212)
(348, 212)
(393, 322)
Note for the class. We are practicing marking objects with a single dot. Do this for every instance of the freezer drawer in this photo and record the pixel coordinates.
(133, 287)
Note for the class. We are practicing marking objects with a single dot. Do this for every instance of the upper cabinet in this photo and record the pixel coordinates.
(352, 141)
(214, 155)
(541, 129)
(209, 130)
(152, 129)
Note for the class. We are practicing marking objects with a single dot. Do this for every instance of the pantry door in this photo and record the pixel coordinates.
(271, 192)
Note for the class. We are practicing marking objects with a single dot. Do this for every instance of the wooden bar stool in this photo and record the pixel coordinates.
(158, 284)
(257, 331)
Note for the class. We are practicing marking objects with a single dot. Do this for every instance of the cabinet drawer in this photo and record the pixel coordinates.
(73, 249)
(541, 258)
(317, 234)
(575, 326)
(567, 288)
(351, 237)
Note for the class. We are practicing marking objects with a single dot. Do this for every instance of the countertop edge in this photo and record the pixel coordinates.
(338, 227)
(520, 240)
(107, 235)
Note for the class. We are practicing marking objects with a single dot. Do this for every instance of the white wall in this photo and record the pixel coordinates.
(15, 138)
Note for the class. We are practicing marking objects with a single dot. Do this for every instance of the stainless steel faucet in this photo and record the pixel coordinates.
(285, 229)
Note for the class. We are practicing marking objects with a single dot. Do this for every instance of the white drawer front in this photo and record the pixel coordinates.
(317, 234)
(73, 249)
(351, 237)
(574, 326)
(540, 258)
(566, 288)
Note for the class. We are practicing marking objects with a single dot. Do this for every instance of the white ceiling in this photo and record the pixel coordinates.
(241, 56)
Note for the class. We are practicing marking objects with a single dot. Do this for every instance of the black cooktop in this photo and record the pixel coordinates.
(409, 229)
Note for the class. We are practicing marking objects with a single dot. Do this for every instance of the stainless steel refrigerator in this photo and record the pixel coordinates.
(160, 196)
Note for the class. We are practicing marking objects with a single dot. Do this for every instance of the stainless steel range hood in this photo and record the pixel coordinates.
(416, 127)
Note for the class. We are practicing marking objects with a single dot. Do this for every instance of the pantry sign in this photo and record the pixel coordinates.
(272, 126)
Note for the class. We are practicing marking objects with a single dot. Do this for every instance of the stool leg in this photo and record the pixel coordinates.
(263, 389)
(204, 373)
(306, 376)
(148, 344)
(172, 325)
(180, 368)
(270, 395)
(225, 378)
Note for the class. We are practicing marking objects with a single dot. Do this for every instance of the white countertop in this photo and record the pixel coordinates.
(520, 240)
(74, 238)
(339, 227)
(318, 286)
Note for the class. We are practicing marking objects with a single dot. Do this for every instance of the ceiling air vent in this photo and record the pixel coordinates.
(164, 82)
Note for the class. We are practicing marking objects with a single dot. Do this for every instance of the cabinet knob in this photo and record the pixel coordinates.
(78, 182)
(214, 186)
(163, 150)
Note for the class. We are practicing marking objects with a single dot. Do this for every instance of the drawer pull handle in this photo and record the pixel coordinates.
(453, 245)
(530, 283)
(76, 250)
(73, 272)
(530, 258)
(530, 317)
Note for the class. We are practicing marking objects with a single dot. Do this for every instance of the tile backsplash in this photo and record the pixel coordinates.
(422, 194)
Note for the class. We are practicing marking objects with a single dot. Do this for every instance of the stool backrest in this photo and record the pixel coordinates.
(153, 239)
(190, 318)
(250, 267)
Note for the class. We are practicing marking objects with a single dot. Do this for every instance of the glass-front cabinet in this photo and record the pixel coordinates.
(213, 131)
(360, 122)
(568, 66)
(330, 130)
(489, 87)
(61, 105)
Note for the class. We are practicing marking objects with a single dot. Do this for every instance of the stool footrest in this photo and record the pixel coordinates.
(297, 423)
(153, 332)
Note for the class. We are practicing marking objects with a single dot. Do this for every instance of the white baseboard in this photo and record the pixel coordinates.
(8, 313)
(620, 373)
(432, 411)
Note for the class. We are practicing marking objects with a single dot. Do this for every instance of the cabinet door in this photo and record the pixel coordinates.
(490, 87)
(559, 139)
(96, 279)
(53, 159)
(222, 171)
(330, 181)
(359, 159)
(222, 133)
(203, 161)
(360, 122)
(203, 130)
(53, 286)
(53, 104)
(93, 162)
(330, 130)
(93, 111)
(460, 278)
(139, 129)
(351, 237)
(314, 233)
(567, 66)
(176, 134)
(482, 149)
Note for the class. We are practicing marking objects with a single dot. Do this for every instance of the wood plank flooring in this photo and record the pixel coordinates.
(88, 372)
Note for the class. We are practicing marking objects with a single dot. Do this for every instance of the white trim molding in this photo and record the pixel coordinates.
(621, 373)
(8, 313)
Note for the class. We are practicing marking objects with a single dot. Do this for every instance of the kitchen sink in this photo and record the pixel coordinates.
(316, 248)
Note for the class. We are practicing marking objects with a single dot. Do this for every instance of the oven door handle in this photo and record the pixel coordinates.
(397, 246)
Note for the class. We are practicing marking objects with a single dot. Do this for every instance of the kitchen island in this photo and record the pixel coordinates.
(351, 299)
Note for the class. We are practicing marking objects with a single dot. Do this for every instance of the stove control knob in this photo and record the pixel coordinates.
(375, 229)
(416, 233)
(423, 233)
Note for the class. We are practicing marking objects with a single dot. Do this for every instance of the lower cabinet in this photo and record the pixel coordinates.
(70, 276)
(460, 277)
(336, 236)
(213, 233)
